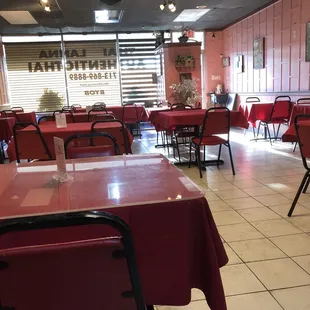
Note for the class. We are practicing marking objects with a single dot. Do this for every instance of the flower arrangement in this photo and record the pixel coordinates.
(186, 92)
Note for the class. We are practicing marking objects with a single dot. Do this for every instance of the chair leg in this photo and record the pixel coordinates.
(204, 153)
(253, 131)
(294, 149)
(301, 187)
(306, 186)
(278, 131)
(198, 160)
(231, 159)
(269, 134)
(219, 155)
(274, 130)
(190, 154)
(178, 149)
(258, 128)
(157, 137)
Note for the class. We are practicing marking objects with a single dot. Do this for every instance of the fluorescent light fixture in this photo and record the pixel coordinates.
(18, 17)
(191, 15)
(201, 7)
(108, 16)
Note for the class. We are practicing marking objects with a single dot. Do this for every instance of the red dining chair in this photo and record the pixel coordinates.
(302, 127)
(252, 100)
(299, 103)
(95, 111)
(99, 105)
(22, 139)
(97, 274)
(17, 109)
(216, 124)
(131, 118)
(124, 143)
(280, 114)
(94, 144)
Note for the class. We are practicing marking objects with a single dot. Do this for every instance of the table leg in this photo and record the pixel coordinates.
(2, 157)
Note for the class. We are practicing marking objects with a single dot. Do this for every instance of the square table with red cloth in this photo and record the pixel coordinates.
(259, 111)
(173, 119)
(49, 131)
(152, 112)
(138, 113)
(6, 128)
(176, 241)
(299, 109)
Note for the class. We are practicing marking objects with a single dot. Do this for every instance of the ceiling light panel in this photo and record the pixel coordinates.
(108, 16)
(18, 17)
(191, 15)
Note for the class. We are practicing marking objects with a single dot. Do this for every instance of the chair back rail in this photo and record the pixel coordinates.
(21, 138)
(125, 142)
(252, 99)
(99, 273)
(99, 144)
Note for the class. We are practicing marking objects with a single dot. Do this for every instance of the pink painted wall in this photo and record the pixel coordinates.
(172, 74)
(213, 60)
(283, 24)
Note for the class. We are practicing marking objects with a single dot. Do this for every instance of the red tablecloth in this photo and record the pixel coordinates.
(290, 134)
(170, 120)
(258, 111)
(6, 128)
(26, 117)
(49, 131)
(299, 109)
(176, 242)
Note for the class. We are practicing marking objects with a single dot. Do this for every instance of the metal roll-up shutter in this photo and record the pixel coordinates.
(35, 75)
(139, 66)
(92, 72)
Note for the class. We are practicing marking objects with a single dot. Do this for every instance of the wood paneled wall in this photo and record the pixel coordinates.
(283, 24)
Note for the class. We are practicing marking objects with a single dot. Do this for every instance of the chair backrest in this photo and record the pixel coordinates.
(303, 101)
(93, 144)
(67, 109)
(281, 108)
(216, 122)
(74, 106)
(99, 104)
(46, 119)
(252, 99)
(69, 115)
(17, 109)
(96, 274)
(8, 113)
(302, 127)
(177, 107)
(102, 117)
(24, 141)
(94, 111)
(124, 143)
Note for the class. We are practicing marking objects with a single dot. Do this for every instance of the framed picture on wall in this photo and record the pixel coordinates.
(308, 42)
(259, 54)
(239, 65)
(226, 61)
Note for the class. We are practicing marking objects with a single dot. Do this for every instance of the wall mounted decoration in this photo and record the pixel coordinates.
(308, 42)
(239, 66)
(226, 61)
(259, 54)
(185, 62)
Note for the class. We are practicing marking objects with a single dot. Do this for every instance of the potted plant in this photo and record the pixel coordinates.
(186, 92)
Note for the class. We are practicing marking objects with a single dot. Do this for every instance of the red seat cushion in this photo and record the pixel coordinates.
(210, 140)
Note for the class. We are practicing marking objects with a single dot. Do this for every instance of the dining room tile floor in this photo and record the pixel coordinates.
(269, 253)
